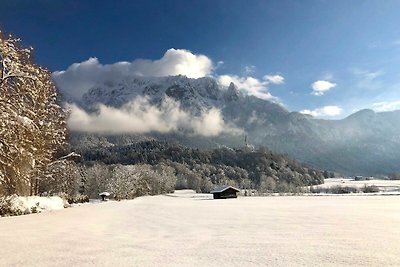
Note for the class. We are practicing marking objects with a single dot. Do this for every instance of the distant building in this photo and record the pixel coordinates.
(225, 192)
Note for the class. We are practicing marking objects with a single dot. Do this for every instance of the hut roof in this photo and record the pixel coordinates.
(221, 189)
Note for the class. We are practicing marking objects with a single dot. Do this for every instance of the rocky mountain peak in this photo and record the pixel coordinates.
(232, 94)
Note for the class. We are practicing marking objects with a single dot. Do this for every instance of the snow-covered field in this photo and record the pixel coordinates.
(33, 204)
(385, 186)
(185, 229)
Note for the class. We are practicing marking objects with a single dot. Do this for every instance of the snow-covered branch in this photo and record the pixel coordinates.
(32, 125)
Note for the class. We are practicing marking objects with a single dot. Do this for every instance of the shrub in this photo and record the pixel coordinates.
(343, 189)
(12, 206)
(6, 205)
(78, 199)
(370, 189)
(334, 190)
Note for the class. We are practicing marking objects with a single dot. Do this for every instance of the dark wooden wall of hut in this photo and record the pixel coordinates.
(228, 193)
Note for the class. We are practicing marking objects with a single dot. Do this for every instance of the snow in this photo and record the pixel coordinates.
(385, 186)
(27, 204)
(194, 95)
(25, 121)
(223, 188)
(183, 229)
(70, 155)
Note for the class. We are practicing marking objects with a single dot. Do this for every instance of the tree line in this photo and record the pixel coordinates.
(202, 170)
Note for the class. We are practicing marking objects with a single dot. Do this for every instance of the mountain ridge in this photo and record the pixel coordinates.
(365, 142)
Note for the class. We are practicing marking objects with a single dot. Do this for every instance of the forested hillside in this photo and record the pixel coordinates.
(202, 170)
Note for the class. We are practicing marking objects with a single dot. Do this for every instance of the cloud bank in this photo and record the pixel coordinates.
(321, 87)
(139, 116)
(80, 77)
(326, 111)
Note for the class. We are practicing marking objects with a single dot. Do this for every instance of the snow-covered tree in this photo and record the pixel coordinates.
(32, 124)
(61, 176)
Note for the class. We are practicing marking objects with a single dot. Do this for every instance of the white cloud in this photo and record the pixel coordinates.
(275, 79)
(220, 64)
(321, 87)
(386, 106)
(367, 74)
(326, 111)
(249, 69)
(250, 85)
(139, 116)
(211, 123)
(79, 77)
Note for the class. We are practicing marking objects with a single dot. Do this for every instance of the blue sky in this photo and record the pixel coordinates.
(349, 50)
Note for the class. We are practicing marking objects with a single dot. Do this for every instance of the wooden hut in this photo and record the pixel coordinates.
(104, 195)
(225, 192)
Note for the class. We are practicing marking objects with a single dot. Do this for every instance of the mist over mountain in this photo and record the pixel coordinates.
(202, 113)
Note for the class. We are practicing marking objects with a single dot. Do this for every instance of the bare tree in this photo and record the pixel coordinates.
(32, 124)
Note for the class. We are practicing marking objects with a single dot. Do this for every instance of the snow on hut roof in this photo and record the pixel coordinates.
(223, 188)
(70, 155)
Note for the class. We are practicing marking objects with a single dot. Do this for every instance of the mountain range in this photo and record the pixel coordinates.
(364, 143)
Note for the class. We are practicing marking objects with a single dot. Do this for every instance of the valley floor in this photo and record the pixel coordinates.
(186, 229)
(385, 186)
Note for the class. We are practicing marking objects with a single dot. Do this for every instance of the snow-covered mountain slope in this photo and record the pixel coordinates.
(195, 95)
(363, 143)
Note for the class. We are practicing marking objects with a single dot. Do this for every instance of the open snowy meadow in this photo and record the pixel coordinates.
(187, 229)
(385, 186)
